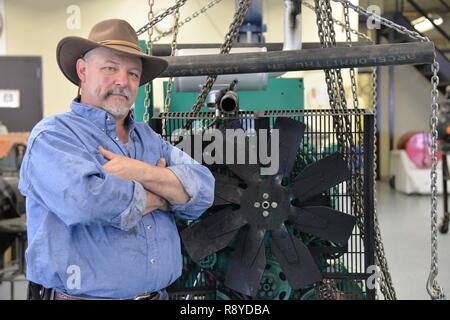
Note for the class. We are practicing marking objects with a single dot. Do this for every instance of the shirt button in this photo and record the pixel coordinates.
(149, 227)
(117, 138)
(152, 261)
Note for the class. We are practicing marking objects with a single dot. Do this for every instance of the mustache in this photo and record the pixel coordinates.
(121, 91)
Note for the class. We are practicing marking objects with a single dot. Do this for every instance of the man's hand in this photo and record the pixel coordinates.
(155, 202)
(123, 167)
(131, 169)
(157, 179)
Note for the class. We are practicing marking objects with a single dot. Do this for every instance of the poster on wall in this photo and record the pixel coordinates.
(2, 28)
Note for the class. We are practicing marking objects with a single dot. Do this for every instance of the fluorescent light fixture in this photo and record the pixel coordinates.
(422, 24)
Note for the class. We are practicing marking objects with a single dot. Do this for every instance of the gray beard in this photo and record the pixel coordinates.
(117, 113)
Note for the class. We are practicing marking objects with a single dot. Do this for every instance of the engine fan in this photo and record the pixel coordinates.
(259, 212)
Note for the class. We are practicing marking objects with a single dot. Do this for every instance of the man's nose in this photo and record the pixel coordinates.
(121, 78)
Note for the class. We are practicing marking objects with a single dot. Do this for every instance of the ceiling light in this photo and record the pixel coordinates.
(422, 24)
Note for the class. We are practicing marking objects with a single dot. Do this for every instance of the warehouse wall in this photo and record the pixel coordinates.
(35, 27)
(411, 107)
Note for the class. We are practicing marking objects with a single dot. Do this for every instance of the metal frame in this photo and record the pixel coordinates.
(356, 260)
(306, 59)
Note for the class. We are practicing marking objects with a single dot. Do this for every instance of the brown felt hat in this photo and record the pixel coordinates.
(113, 34)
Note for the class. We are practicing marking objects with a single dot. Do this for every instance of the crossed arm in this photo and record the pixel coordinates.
(162, 185)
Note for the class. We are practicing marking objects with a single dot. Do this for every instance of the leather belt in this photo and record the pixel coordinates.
(145, 296)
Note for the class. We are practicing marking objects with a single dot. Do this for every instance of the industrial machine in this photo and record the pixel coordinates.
(308, 230)
(277, 236)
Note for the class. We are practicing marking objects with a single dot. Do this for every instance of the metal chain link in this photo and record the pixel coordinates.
(352, 70)
(434, 290)
(172, 53)
(148, 85)
(188, 19)
(233, 31)
(327, 289)
(356, 186)
(330, 90)
(337, 102)
(386, 285)
(339, 23)
(382, 280)
(160, 17)
(385, 280)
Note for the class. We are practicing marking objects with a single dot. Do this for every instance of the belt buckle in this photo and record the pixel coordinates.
(144, 296)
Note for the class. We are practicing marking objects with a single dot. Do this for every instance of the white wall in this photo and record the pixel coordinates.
(2, 28)
(35, 27)
(411, 107)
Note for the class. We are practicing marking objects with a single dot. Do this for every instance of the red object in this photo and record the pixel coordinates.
(418, 149)
(8, 140)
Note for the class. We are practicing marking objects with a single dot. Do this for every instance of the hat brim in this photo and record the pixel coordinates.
(70, 49)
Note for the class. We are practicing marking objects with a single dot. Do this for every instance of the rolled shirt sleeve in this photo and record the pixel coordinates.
(196, 179)
(61, 174)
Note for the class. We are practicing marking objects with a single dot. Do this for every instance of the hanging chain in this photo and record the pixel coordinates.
(327, 289)
(188, 19)
(339, 23)
(331, 92)
(386, 285)
(148, 85)
(172, 53)
(233, 31)
(357, 186)
(160, 17)
(385, 280)
(434, 290)
(352, 70)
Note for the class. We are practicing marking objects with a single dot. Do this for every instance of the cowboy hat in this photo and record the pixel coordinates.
(114, 34)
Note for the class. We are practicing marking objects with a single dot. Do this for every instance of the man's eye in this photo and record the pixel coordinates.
(135, 76)
(109, 69)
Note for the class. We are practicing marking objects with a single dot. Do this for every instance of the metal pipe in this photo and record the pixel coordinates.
(229, 103)
(306, 59)
(165, 49)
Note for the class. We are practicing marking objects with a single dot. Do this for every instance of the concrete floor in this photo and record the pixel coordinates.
(405, 228)
(406, 233)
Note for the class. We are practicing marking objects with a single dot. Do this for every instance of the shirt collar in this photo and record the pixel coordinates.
(99, 117)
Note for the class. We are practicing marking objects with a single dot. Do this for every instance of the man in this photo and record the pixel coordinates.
(102, 190)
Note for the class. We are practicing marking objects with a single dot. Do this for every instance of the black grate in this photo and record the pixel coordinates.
(348, 270)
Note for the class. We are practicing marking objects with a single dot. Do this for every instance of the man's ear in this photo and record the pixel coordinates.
(81, 69)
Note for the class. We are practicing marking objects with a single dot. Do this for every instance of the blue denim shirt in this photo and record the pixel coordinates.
(87, 234)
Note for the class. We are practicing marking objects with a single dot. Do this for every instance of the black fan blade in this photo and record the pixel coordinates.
(245, 162)
(227, 190)
(295, 259)
(319, 200)
(324, 222)
(291, 134)
(240, 155)
(247, 263)
(212, 234)
(320, 176)
(249, 173)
